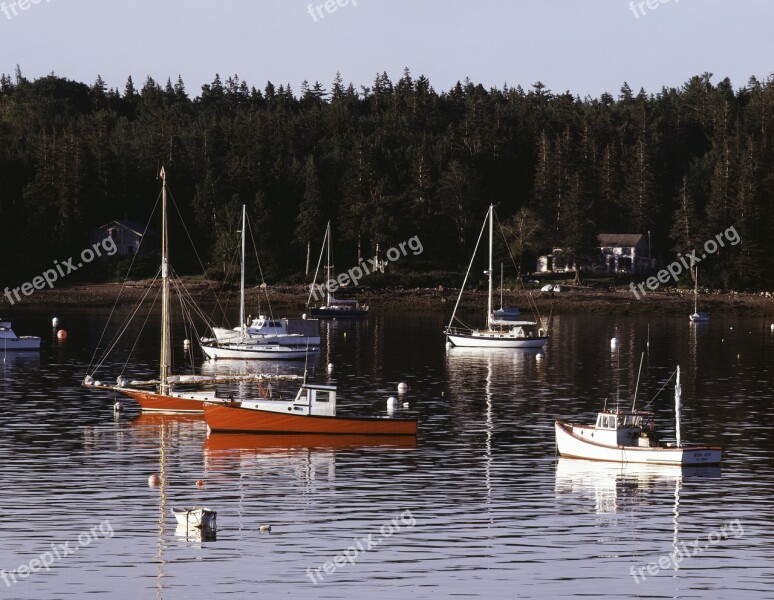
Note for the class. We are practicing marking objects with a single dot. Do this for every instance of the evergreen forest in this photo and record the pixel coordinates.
(384, 163)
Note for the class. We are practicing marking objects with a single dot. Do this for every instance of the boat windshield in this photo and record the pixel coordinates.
(629, 421)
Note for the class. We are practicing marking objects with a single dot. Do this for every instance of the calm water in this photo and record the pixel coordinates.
(479, 506)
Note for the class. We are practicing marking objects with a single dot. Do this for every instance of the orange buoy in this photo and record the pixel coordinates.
(61, 335)
(154, 480)
(199, 483)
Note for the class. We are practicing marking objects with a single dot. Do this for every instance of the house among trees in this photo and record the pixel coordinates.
(130, 237)
(619, 253)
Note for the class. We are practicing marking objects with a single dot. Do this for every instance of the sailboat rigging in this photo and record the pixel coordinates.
(264, 339)
(333, 307)
(160, 394)
(499, 332)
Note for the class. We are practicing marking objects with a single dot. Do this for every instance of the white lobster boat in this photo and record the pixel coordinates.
(630, 436)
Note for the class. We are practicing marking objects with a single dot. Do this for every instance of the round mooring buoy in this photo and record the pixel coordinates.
(154, 480)
(402, 387)
(55, 322)
(61, 335)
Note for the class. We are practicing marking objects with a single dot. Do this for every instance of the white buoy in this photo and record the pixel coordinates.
(405, 405)
(303, 316)
(265, 528)
(117, 407)
(186, 344)
(55, 322)
(772, 326)
(613, 342)
(402, 388)
(330, 367)
(538, 357)
(392, 403)
(448, 345)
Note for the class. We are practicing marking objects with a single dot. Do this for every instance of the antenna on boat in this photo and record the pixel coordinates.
(637, 385)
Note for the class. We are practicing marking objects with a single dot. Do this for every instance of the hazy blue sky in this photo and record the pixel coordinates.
(584, 46)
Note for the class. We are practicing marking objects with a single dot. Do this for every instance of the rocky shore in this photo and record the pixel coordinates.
(293, 298)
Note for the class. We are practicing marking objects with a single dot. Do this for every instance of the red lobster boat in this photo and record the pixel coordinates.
(313, 410)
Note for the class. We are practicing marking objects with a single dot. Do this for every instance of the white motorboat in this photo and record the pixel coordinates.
(500, 331)
(630, 436)
(9, 341)
(267, 330)
(256, 351)
(259, 345)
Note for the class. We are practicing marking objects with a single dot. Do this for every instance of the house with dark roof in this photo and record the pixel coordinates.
(618, 253)
(130, 237)
(624, 253)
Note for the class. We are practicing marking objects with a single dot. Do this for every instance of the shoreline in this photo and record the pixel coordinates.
(293, 298)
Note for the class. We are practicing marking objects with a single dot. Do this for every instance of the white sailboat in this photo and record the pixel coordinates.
(334, 308)
(498, 333)
(247, 346)
(697, 316)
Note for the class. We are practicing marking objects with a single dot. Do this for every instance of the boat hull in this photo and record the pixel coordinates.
(19, 344)
(154, 402)
(256, 352)
(483, 341)
(571, 445)
(235, 419)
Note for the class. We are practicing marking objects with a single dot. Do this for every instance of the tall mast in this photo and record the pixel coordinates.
(242, 281)
(489, 272)
(678, 406)
(165, 354)
(328, 266)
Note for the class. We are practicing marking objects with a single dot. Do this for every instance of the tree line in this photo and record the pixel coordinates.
(387, 162)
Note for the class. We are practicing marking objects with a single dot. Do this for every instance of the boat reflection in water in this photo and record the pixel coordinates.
(307, 457)
(614, 487)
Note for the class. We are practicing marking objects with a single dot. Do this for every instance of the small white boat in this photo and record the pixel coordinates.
(630, 436)
(200, 518)
(10, 341)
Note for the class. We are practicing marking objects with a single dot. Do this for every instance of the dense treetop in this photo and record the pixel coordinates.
(385, 163)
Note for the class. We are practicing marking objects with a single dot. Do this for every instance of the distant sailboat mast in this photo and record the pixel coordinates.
(242, 324)
(165, 332)
(489, 272)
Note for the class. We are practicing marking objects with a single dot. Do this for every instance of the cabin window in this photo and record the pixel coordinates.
(599, 421)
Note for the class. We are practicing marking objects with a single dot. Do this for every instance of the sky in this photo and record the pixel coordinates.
(586, 47)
